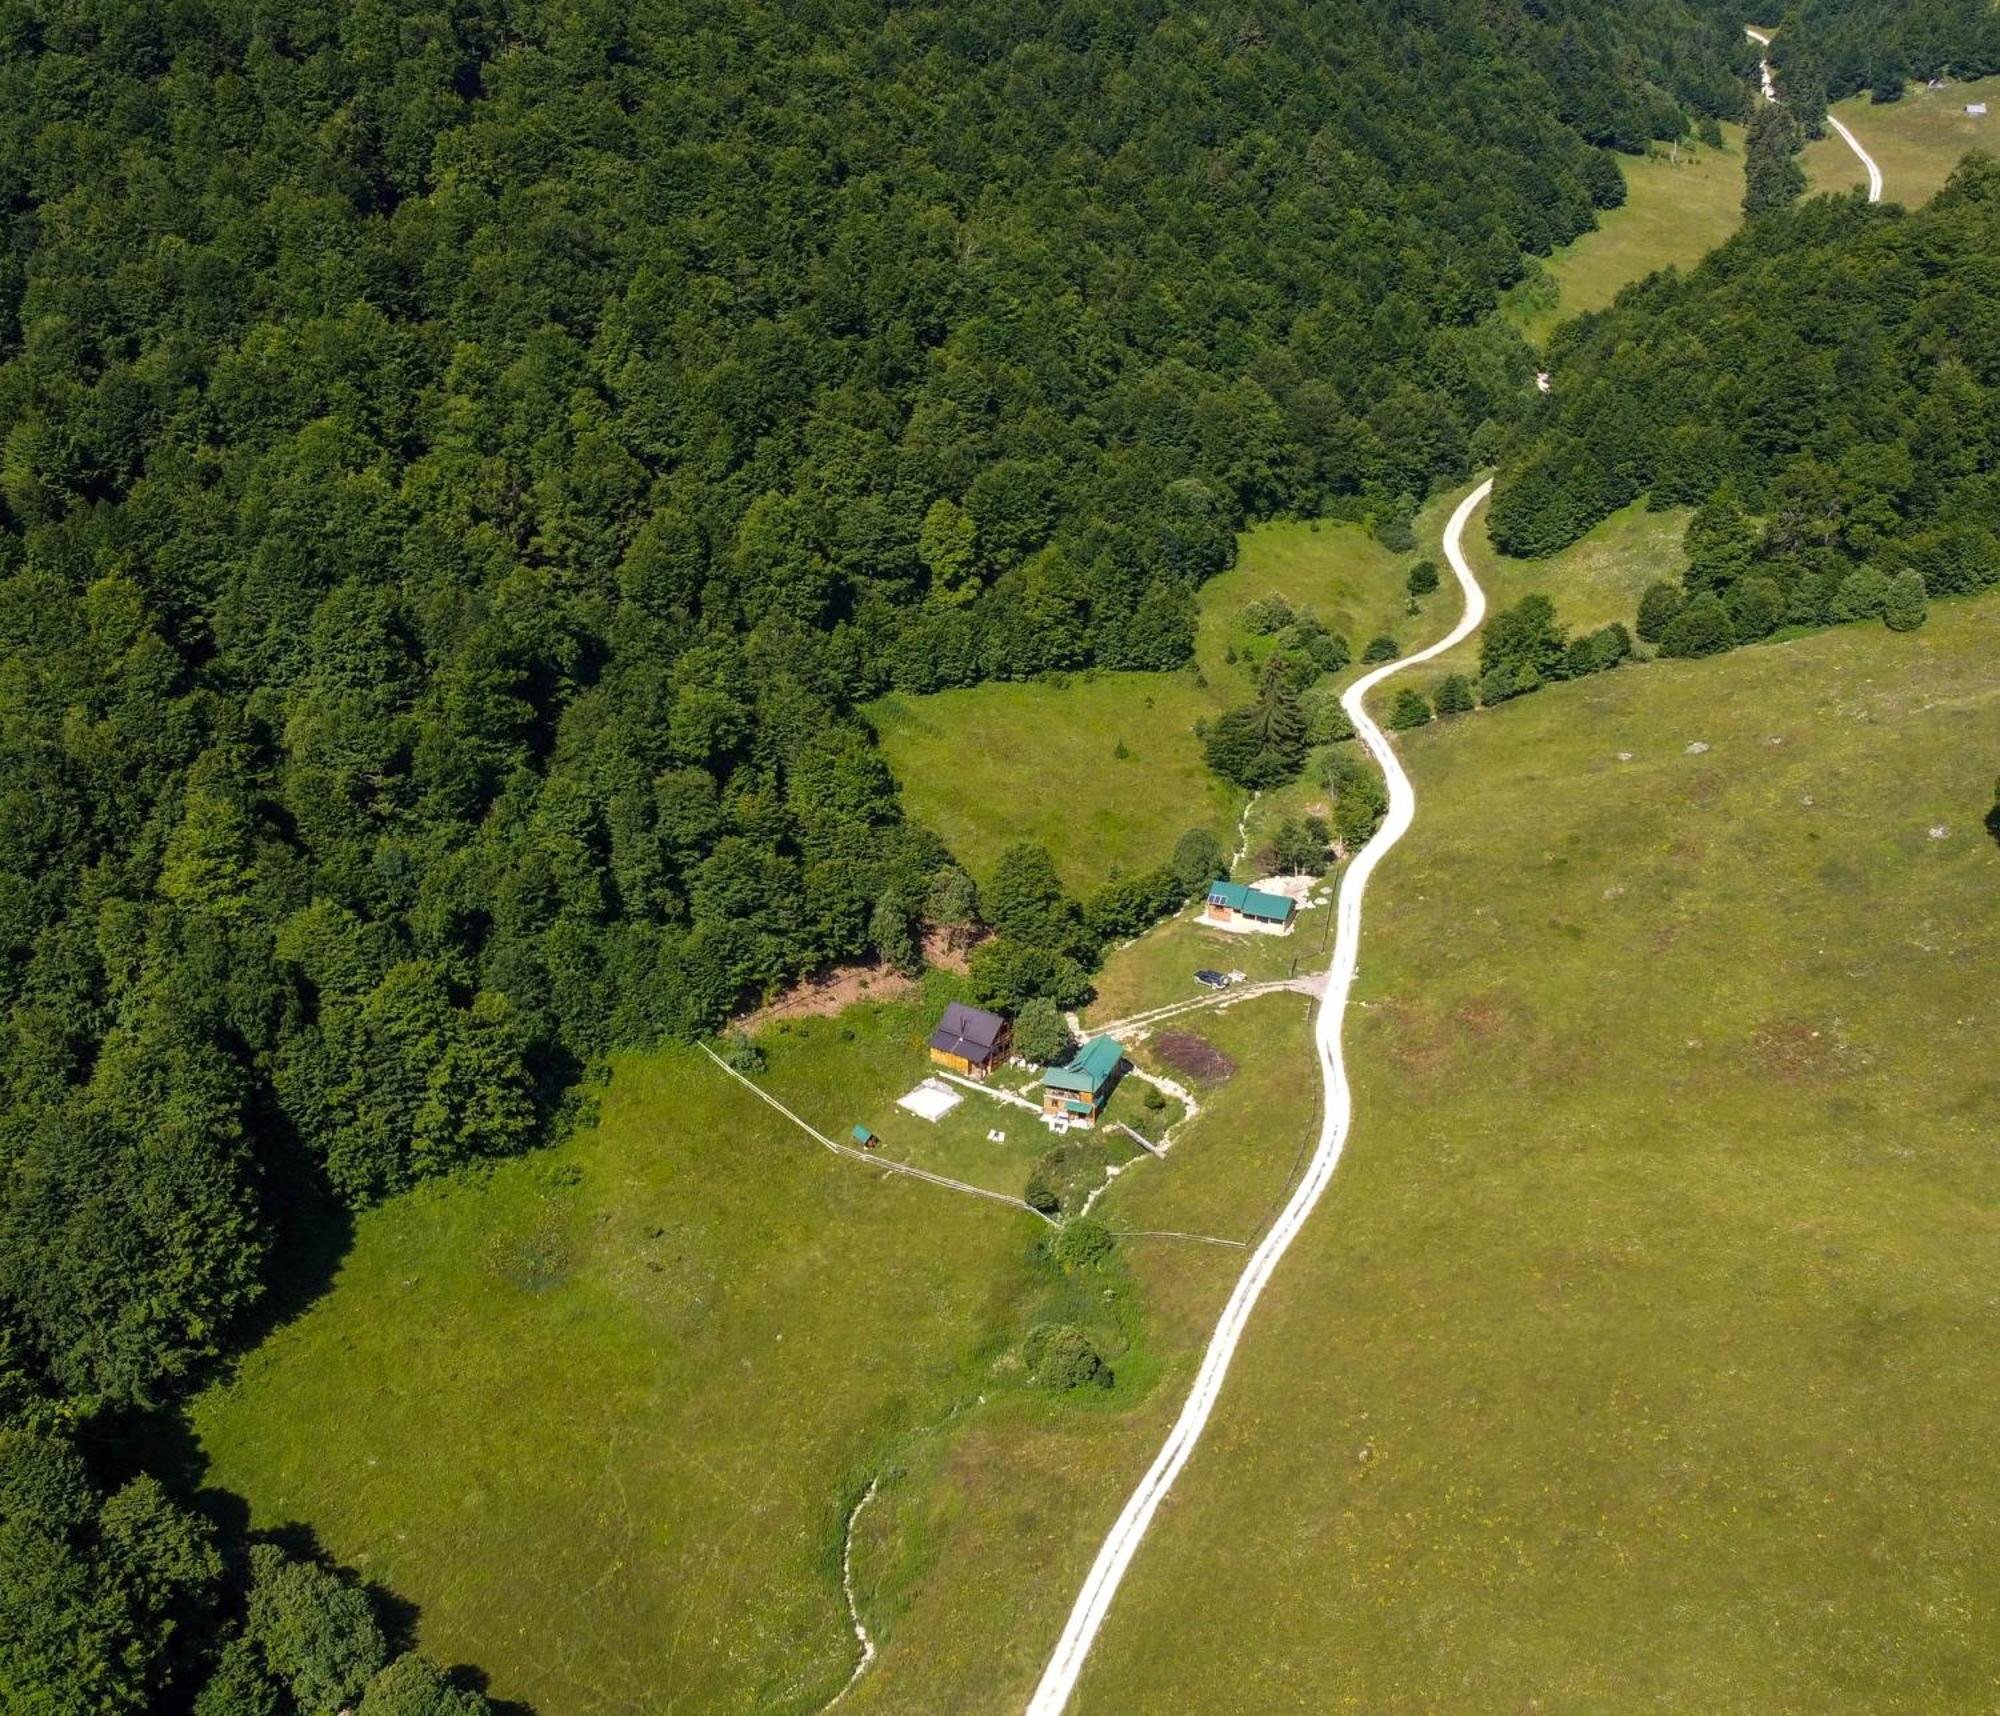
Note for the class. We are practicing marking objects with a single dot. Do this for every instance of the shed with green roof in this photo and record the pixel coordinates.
(1077, 1090)
(1236, 905)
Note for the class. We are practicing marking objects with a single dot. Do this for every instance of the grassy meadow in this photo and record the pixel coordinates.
(968, 1563)
(1916, 141)
(1676, 210)
(1048, 767)
(1638, 1357)
(1038, 760)
(1597, 579)
(600, 1413)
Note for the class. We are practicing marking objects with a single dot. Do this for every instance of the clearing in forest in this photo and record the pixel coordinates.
(599, 1413)
(1916, 141)
(1677, 208)
(1039, 760)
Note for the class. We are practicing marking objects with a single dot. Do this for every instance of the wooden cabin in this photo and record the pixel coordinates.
(1078, 1090)
(969, 1041)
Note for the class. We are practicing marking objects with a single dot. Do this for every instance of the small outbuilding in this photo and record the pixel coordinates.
(1975, 109)
(862, 1136)
(969, 1041)
(1237, 906)
(1077, 1091)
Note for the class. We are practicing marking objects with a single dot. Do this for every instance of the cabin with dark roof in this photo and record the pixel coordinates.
(969, 1041)
(1077, 1091)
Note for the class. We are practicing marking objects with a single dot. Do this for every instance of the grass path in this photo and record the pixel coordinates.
(1101, 1585)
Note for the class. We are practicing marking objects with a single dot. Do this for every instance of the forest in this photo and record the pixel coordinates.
(1845, 46)
(460, 467)
(1821, 390)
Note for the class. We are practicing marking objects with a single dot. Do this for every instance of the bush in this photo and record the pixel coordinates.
(1129, 904)
(1903, 610)
(1007, 975)
(741, 1052)
(1298, 846)
(1505, 680)
(317, 1632)
(1039, 1032)
(1329, 651)
(1384, 648)
(1700, 628)
(1658, 608)
(1266, 615)
(1041, 1193)
(1326, 722)
(1411, 709)
(413, 1685)
(1198, 859)
(1594, 653)
(1423, 578)
(1453, 695)
(1397, 532)
(1756, 605)
(1061, 1357)
(1360, 800)
(1524, 636)
(1862, 596)
(1083, 1245)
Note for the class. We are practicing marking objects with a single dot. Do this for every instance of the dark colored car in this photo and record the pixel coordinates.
(1214, 979)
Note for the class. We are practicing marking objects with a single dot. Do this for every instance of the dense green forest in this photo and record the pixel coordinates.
(461, 467)
(1844, 46)
(1822, 390)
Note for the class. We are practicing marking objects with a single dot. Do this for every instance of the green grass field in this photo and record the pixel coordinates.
(600, 1413)
(998, 763)
(1634, 1359)
(968, 1565)
(1597, 579)
(1675, 212)
(1638, 1358)
(1916, 141)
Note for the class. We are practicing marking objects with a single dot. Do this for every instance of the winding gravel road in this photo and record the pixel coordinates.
(1763, 39)
(1093, 1602)
(1867, 160)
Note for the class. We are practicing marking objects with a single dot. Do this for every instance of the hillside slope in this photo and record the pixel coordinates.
(1638, 1360)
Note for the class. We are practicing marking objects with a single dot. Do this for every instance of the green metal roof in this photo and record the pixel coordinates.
(1251, 902)
(863, 1136)
(1090, 1070)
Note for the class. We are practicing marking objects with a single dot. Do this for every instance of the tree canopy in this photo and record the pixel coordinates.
(1822, 390)
(461, 470)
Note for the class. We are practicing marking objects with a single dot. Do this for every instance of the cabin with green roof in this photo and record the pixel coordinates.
(1077, 1090)
(1237, 906)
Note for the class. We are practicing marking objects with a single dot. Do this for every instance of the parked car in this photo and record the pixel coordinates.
(1213, 979)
